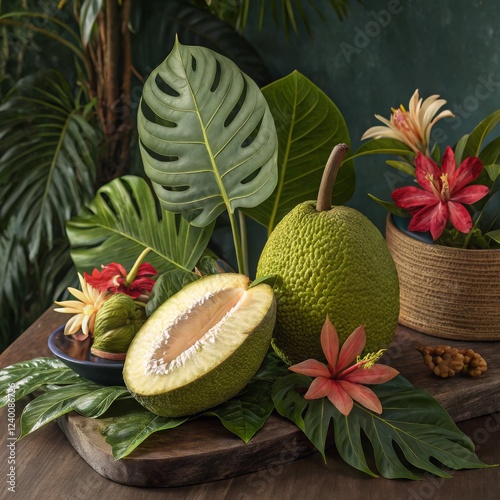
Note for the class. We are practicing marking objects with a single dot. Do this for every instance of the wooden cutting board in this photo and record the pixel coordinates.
(203, 450)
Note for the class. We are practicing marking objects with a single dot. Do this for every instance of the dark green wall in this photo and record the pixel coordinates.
(366, 66)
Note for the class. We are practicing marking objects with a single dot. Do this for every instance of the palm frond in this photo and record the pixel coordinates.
(47, 157)
(289, 11)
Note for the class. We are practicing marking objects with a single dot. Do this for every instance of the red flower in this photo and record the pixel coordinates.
(442, 195)
(113, 278)
(338, 381)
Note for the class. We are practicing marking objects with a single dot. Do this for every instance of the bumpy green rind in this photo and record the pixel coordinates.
(309, 252)
(221, 383)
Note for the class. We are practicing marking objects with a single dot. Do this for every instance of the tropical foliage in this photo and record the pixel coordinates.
(72, 75)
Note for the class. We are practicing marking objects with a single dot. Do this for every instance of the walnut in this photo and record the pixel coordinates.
(445, 361)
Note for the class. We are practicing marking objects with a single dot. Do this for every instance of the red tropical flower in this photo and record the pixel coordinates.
(340, 382)
(443, 194)
(113, 278)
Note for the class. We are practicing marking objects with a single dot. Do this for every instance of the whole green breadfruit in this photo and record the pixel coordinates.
(329, 261)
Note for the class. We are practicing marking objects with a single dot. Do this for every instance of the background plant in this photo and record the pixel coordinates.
(72, 75)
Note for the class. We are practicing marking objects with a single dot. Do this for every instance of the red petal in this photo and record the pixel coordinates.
(468, 171)
(377, 374)
(431, 218)
(146, 269)
(319, 388)
(423, 167)
(362, 395)
(352, 347)
(330, 343)
(340, 399)
(438, 220)
(459, 217)
(470, 194)
(448, 163)
(311, 368)
(411, 197)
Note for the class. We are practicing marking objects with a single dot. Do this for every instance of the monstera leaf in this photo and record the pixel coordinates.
(122, 220)
(207, 137)
(309, 125)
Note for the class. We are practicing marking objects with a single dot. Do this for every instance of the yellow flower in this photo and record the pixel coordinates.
(413, 127)
(85, 309)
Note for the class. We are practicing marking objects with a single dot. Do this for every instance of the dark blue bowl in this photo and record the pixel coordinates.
(76, 354)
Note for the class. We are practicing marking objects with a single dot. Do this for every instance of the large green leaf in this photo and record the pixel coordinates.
(247, 412)
(309, 125)
(28, 376)
(207, 137)
(127, 431)
(412, 423)
(86, 398)
(193, 25)
(47, 158)
(476, 137)
(122, 220)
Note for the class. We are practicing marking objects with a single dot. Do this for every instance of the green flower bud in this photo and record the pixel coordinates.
(116, 324)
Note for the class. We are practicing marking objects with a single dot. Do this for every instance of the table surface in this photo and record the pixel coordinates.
(48, 467)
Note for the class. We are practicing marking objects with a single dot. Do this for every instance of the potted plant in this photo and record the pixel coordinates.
(444, 228)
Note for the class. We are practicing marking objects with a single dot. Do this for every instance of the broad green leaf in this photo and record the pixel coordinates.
(88, 14)
(412, 419)
(246, 413)
(309, 125)
(122, 220)
(207, 137)
(28, 376)
(402, 166)
(383, 147)
(193, 25)
(86, 398)
(167, 285)
(477, 136)
(126, 432)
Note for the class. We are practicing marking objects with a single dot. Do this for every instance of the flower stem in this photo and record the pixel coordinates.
(133, 272)
(238, 247)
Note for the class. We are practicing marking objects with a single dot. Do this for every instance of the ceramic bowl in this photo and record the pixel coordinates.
(76, 354)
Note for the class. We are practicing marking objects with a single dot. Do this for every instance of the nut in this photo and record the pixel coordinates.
(446, 361)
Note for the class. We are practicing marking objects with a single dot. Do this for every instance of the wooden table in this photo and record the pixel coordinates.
(47, 467)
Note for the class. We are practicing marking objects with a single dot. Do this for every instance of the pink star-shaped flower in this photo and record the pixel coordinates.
(340, 381)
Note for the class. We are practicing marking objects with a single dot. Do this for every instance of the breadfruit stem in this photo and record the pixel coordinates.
(324, 202)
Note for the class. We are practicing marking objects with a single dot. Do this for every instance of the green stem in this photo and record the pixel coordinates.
(133, 272)
(240, 259)
(244, 240)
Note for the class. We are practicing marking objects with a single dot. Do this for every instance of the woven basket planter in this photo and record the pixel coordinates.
(446, 292)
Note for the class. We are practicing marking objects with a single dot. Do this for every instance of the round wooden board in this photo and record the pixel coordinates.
(196, 452)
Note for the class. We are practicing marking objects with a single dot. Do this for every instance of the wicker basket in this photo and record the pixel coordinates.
(447, 292)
